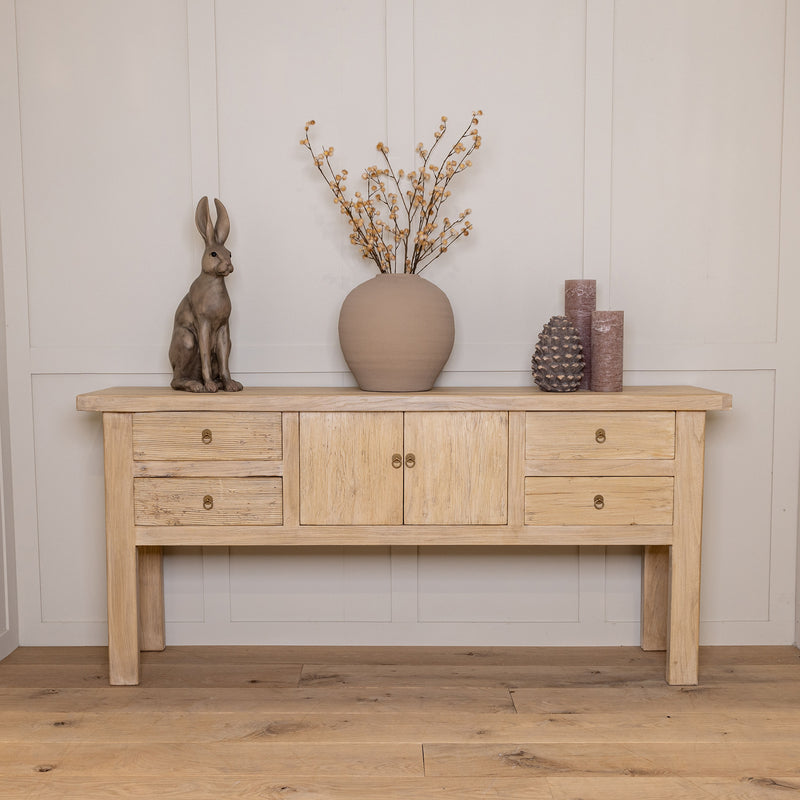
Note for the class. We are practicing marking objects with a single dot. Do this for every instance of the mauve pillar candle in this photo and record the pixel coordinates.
(607, 351)
(580, 300)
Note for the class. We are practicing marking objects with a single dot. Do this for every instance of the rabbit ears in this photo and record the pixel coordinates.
(212, 233)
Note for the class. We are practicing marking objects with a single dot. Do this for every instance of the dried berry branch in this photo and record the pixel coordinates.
(411, 201)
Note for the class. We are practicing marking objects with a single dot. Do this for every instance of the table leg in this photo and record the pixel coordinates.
(655, 597)
(684, 601)
(152, 635)
(123, 639)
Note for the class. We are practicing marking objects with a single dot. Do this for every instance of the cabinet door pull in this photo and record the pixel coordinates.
(600, 435)
(599, 501)
(411, 459)
(208, 502)
(397, 461)
(206, 436)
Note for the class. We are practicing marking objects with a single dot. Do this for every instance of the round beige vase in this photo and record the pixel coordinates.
(396, 332)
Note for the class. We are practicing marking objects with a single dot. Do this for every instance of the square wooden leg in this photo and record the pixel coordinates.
(655, 597)
(684, 593)
(123, 626)
(152, 634)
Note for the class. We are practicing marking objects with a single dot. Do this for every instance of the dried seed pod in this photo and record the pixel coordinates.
(557, 363)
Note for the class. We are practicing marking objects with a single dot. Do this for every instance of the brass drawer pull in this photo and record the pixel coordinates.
(397, 461)
(599, 501)
(411, 459)
(600, 436)
(206, 436)
(208, 502)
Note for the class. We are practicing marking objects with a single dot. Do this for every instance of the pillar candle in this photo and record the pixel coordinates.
(580, 300)
(607, 351)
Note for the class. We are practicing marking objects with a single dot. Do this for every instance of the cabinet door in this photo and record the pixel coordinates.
(346, 471)
(460, 468)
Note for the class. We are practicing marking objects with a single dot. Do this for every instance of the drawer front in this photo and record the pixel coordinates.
(207, 436)
(598, 501)
(601, 434)
(208, 501)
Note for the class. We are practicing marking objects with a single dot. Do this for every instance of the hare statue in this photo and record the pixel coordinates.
(201, 338)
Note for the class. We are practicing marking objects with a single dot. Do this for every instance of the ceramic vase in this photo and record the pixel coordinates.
(396, 332)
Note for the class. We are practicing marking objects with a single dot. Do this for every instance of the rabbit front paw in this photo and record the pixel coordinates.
(231, 385)
(210, 386)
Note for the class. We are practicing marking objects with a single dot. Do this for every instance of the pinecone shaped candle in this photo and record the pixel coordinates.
(557, 362)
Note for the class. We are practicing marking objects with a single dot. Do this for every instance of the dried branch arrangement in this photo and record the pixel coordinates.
(399, 221)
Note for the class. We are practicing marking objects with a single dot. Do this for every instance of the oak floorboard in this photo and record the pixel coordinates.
(238, 787)
(532, 676)
(274, 787)
(352, 654)
(511, 676)
(635, 726)
(182, 760)
(153, 674)
(780, 788)
(663, 699)
(317, 654)
(585, 788)
(522, 656)
(57, 655)
(771, 654)
(131, 699)
(672, 789)
(412, 656)
(662, 759)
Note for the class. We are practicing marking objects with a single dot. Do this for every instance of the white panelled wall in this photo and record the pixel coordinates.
(650, 144)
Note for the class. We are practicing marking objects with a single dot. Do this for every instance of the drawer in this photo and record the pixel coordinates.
(599, 434)
(208, 501)
(207, 436)
(598, 501)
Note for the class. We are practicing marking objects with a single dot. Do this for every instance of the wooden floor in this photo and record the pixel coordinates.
(389, 723)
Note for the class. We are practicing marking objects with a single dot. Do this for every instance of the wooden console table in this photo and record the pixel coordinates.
(460, 466)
